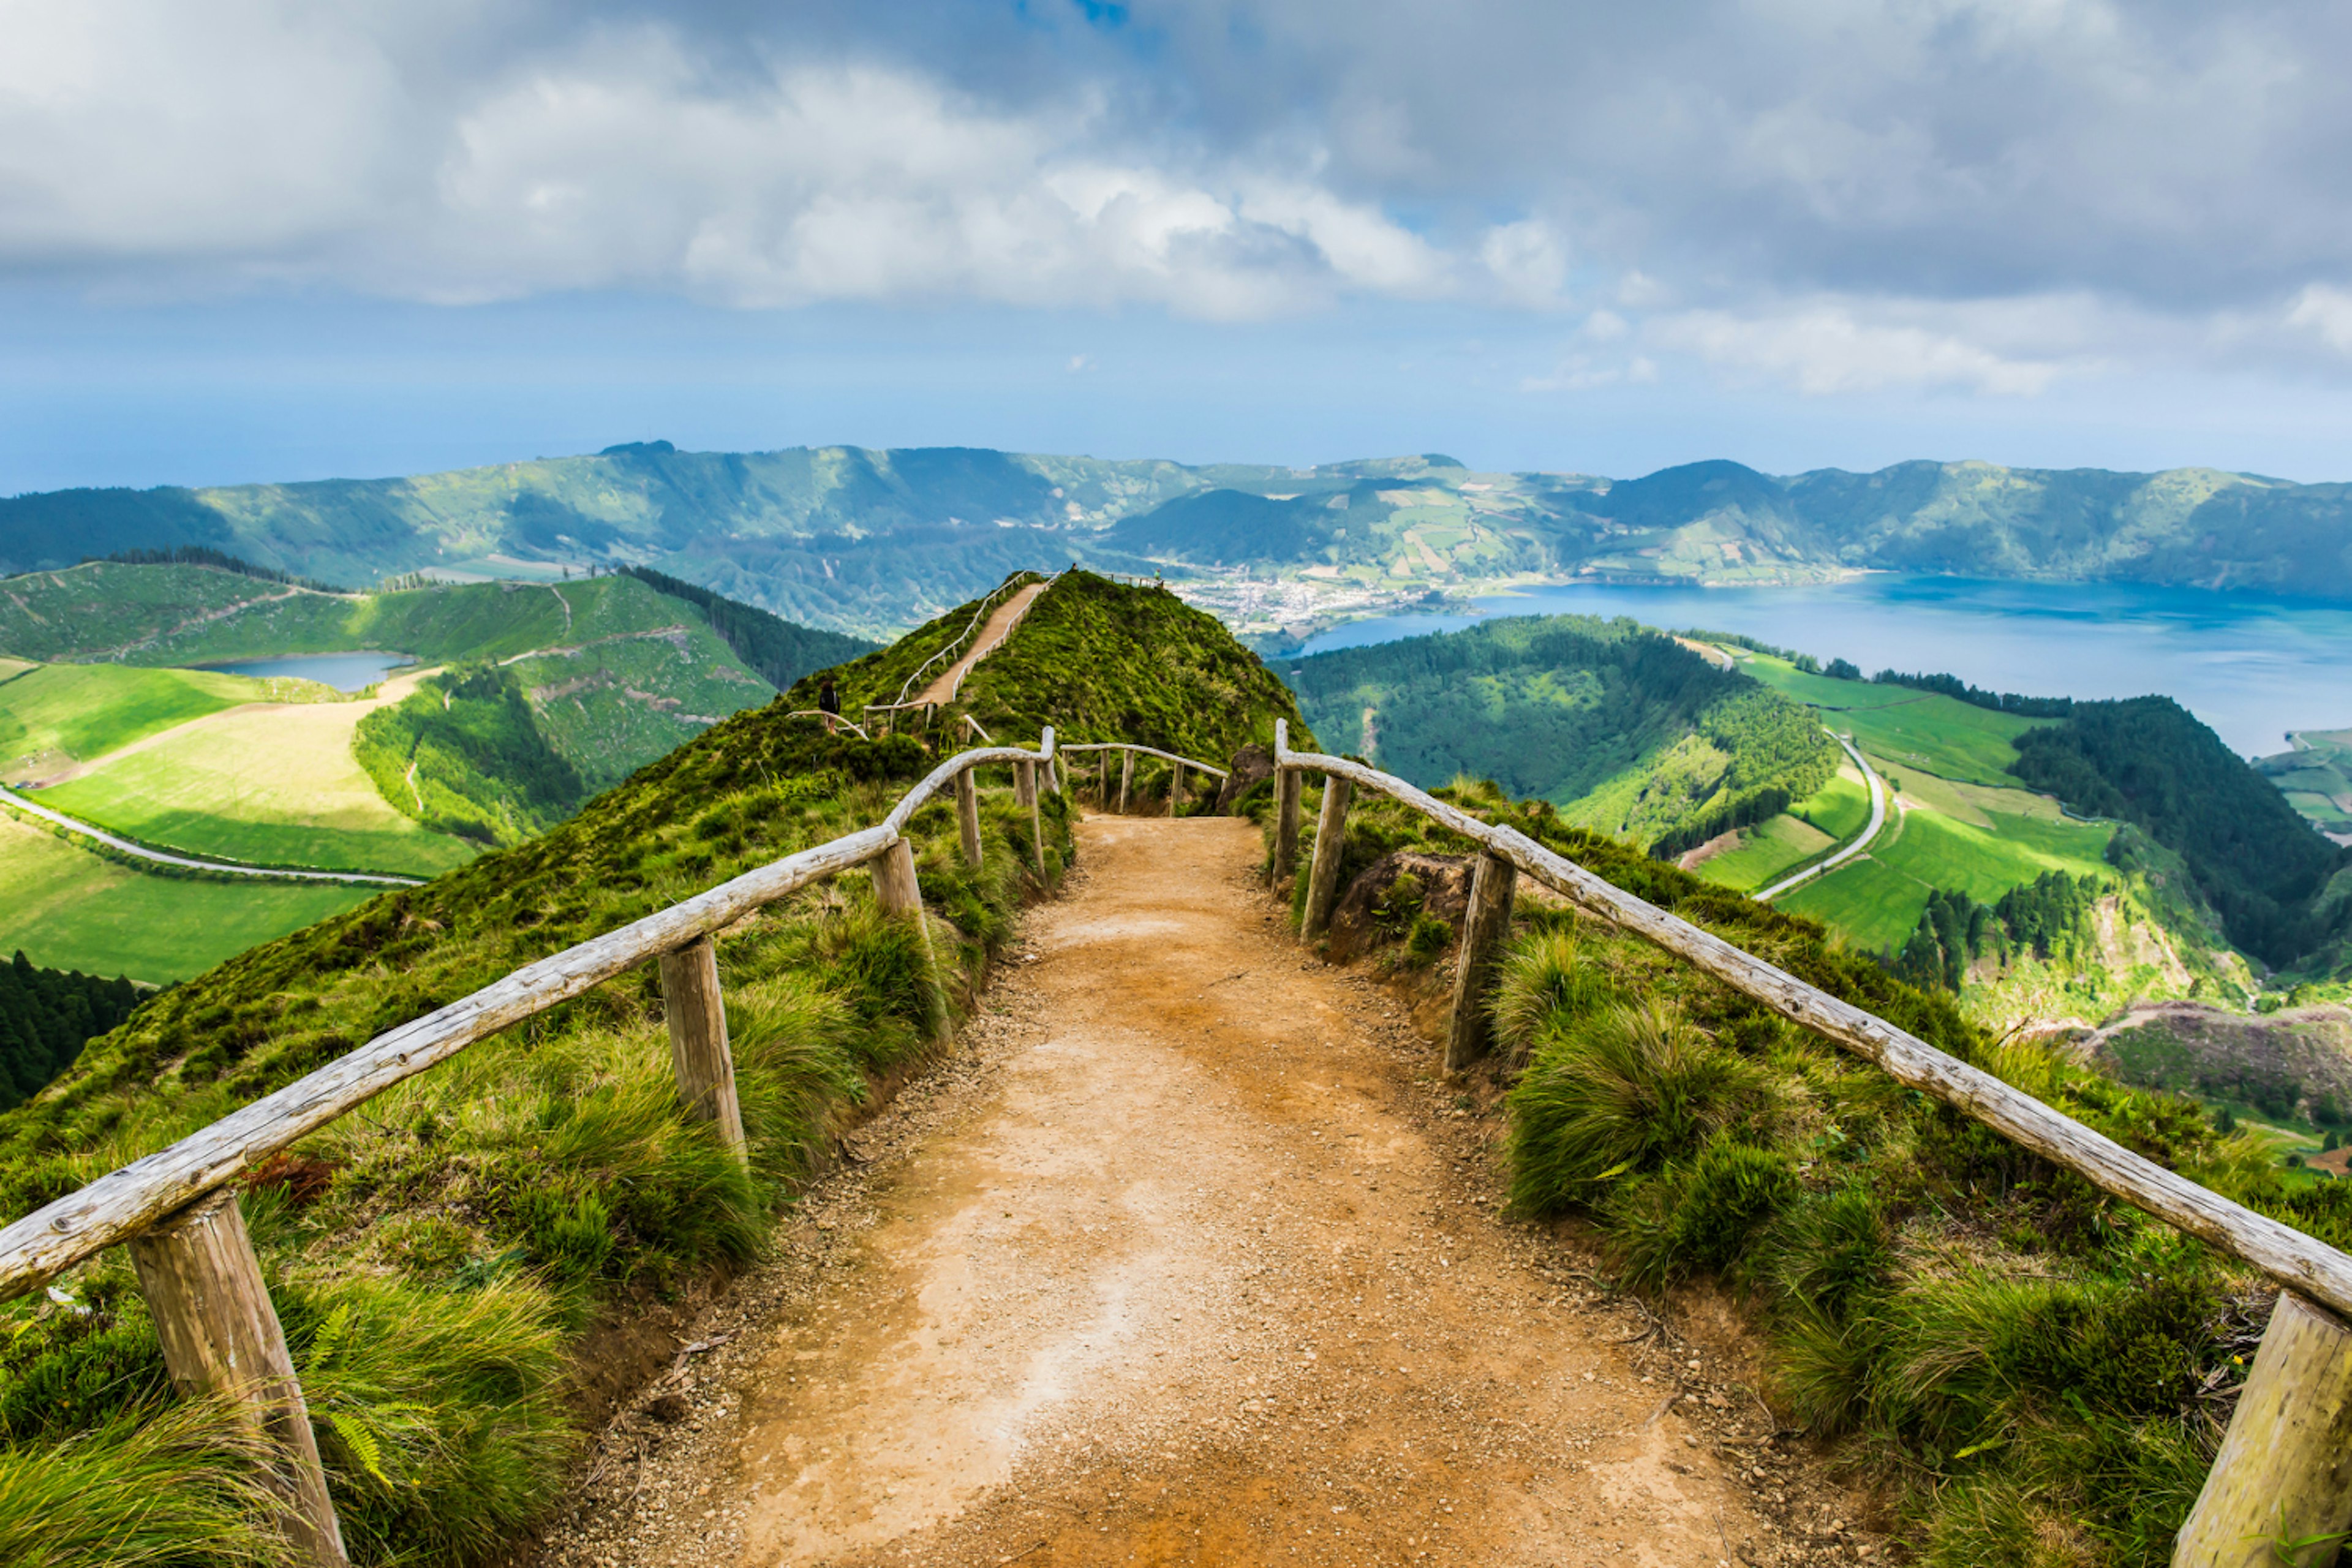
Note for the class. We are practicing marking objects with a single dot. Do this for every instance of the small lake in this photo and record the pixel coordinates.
(2252, 667)
(343, 671)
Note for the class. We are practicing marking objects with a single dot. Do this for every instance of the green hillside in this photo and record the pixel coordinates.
(1622, 728)
(445, 1252)
(2317, 779)
(876, 541)
(2020, 1369)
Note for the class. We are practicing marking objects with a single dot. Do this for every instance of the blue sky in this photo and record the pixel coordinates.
(247, 241)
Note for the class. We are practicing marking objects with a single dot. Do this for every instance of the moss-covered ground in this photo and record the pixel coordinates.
(436, 1254)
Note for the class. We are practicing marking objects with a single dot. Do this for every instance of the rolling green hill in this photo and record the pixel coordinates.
(1622, 728)
(463, 1235)
(877, 541)
(579, 683)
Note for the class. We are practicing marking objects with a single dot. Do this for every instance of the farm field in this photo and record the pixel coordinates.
(2016, 837)
(1909, 728)
(1764, 852)
(53, 715)
(69, 909)
(272, 785)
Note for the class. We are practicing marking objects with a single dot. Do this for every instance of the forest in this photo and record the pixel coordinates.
(782, 651)
(2049, 917)
(1672, 748)
(2149, 761)
(466, 755)
(46, 1016)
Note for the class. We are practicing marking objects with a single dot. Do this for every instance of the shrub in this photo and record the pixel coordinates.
(1617, 1093)
(1698, 1217)
(1547, 978)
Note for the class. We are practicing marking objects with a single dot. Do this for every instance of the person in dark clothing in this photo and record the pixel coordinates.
(828, 702)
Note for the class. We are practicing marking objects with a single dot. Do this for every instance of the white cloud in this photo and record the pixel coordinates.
(1528, 261)
(1827, 347)
(2325, 311)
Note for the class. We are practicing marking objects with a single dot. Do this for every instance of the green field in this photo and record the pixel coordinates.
(1951, 739)
(274, 786)
(1876, 899)
(1765, 851)
(74, 712)
(69, 909)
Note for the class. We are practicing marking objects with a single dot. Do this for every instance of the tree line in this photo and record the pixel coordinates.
(46, 1016)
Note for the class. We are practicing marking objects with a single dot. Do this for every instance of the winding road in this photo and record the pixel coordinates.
(75, 825)
(1862, 841)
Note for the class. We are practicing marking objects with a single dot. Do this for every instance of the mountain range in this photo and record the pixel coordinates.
(874, 540)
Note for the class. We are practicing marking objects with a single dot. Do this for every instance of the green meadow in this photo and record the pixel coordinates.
(1964, 824)
(1910, 728)
(69, 909)
(1876, 901)
(79, 711)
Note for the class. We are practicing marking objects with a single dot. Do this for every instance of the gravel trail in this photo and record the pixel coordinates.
(1187, 1255)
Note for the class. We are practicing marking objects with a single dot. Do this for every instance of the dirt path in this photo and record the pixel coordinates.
(1186, 1258)
(1001, 621)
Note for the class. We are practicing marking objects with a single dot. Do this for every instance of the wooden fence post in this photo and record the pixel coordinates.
(1287, 783)
(2284, 1471)
(1175, 788)
(899, 893)
(1484, 924)
(1125, 778)
(1102, 781)
(968, 813)
(1330, 841)
(1024, 792)
(698, 1041)
(221, 1336)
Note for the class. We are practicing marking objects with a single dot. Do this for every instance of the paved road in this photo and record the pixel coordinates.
(73, 825)
(1869, 832)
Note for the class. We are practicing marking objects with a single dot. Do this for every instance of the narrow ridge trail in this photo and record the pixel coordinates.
(998, 625)
(1186, 1255)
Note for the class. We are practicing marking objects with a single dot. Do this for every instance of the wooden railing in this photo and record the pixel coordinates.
(1127, 771)
(177, 1209)
(2284, 1474)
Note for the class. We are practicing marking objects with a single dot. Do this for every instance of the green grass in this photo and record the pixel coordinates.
(478, 1220)
(1839, 809)
(1876, 899)
(274, 786)
(2010, 1359)
(1921, 729)
(1765, 851)
(86, 711)
(69, 909)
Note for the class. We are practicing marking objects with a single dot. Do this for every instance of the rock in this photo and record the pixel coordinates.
(1250, 765)
(669, 1409)
(1444, 892)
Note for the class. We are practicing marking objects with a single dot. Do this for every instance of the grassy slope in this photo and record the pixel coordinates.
(1925, 729)
(2014, 1356)
(274, 786)
(69, 909)
(472, 1221)
(2317, 778)
(85, 712)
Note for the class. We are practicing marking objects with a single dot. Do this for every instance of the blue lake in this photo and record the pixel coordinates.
(343, 671)
(2252, 667)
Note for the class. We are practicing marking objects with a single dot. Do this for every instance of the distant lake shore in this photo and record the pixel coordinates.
(345, 671)
(2251, 666)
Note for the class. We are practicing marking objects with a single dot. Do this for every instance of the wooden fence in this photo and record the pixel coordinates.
(177, 1210)
(2283, 1475)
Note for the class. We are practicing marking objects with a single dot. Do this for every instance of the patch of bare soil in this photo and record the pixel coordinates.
(1188, 1256)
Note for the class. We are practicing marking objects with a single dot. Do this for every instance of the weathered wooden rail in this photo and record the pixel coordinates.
(177, 1208)
(2284, 1473)
(1127, 771)
(2284, 1470)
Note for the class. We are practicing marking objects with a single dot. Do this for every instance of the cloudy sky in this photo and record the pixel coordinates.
(245, 239)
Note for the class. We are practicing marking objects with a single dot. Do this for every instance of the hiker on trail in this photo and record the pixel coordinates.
(828, 702)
